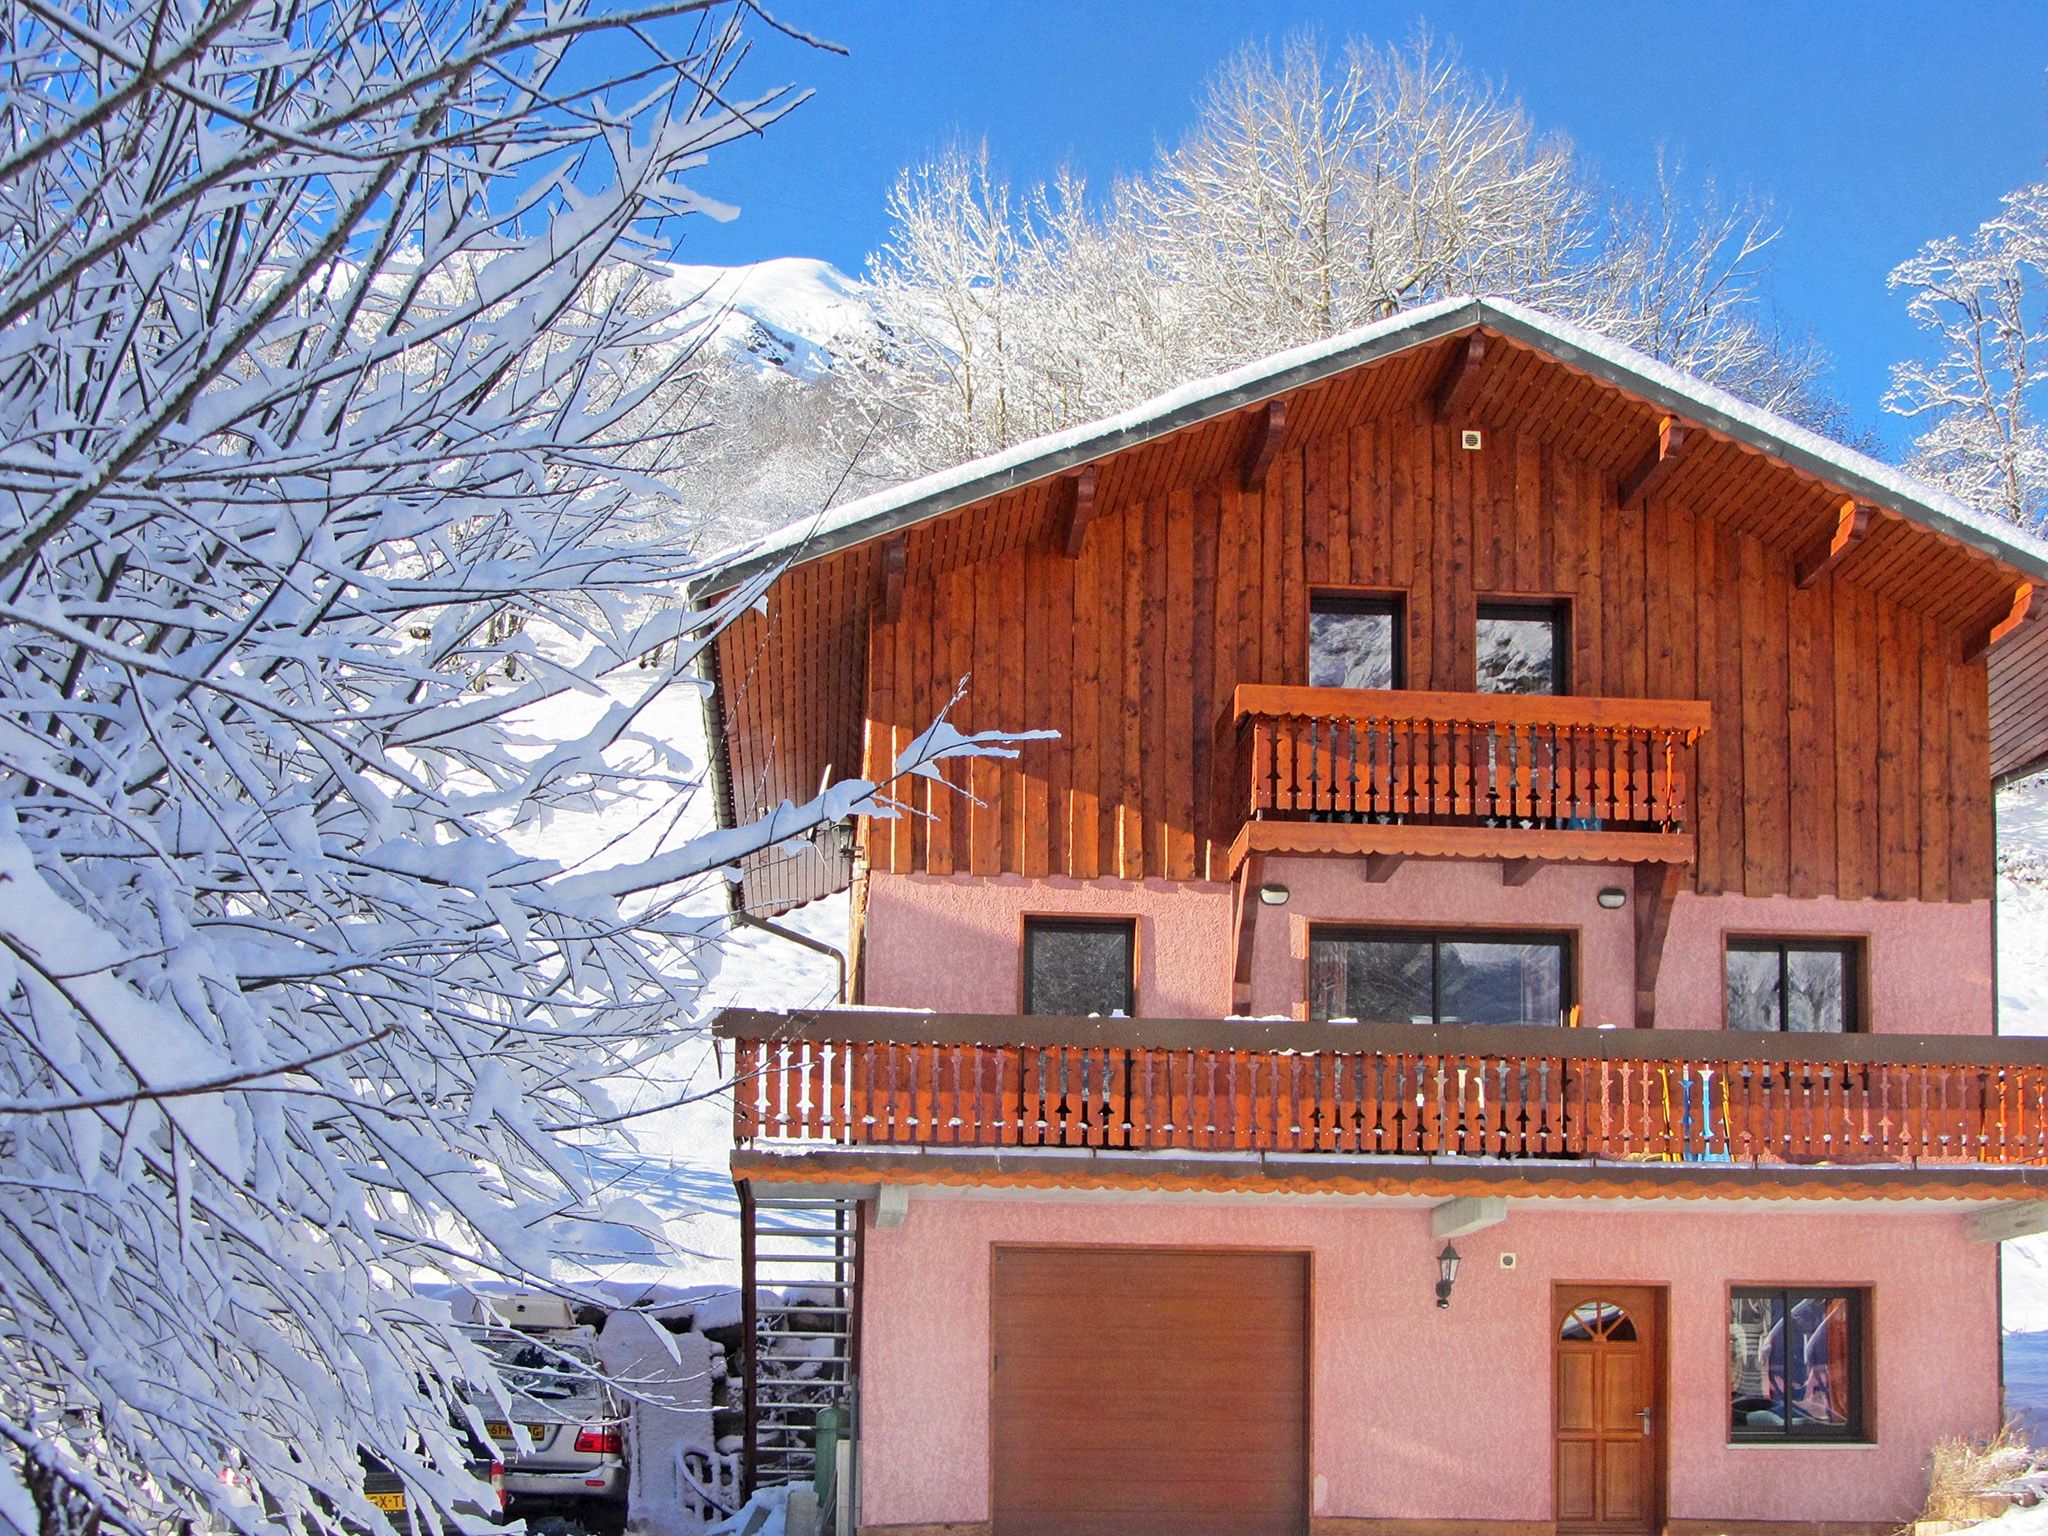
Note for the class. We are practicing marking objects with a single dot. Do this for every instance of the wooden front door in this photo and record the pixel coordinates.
(1607, 1407)
(1149, 1392)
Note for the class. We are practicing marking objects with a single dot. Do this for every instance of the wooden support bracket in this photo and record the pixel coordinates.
(1467, 1213)
(1852, 523)
(1454, 391)
(895, 560)
(1080, 509)
(1981, 636)
(1250, 874)
(2008, 1219)
(1518, 871)
(1267, 435)
(1635, 486)
(1656, 893)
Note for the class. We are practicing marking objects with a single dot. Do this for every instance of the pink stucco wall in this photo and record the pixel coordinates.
(953, 943)
(1419, 1413)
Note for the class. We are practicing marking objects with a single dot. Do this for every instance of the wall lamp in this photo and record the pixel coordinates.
(1274, 894)
(1446, 1275)
(1613, 898)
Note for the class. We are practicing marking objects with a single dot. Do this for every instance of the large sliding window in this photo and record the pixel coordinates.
(1080, 965)
(1795, 1364)
(1804, 986)
(1452, 976)
(1355, 642)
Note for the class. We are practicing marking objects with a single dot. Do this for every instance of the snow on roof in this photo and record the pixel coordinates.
(1613, 362)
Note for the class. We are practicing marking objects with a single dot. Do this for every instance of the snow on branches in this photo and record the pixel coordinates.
(329, 376)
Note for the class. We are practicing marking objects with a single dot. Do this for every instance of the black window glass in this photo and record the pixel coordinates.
(1354, 642)
(1803, 987)
(1450, 978)
(1077, 967)
(1795, 1364)
(1521, 648)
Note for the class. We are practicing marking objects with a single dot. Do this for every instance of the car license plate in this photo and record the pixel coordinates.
(390, 1501)
(498, 1429)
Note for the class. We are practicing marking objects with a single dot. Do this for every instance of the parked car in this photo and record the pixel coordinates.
(574, 1446)
(386, 1493)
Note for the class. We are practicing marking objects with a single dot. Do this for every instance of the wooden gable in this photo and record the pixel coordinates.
(1853, 750)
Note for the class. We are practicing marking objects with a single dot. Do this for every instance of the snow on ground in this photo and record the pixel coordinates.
(672, 1161)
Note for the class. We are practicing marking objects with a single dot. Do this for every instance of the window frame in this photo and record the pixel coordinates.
(1557, 609)
(1358, 600)
(1567, 939)
(1066, 922)
(1860, 1428)
(1853, 948)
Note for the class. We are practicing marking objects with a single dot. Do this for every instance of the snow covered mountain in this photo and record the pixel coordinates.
(785, 316)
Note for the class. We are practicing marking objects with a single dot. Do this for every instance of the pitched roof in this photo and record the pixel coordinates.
(1611, 362)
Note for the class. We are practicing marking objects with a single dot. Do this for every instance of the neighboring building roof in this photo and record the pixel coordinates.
(1611, 362)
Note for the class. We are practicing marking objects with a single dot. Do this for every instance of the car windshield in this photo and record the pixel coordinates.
(548, 1379)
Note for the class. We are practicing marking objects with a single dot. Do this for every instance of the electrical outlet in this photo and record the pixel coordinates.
(1507, 1261)
(1471, 439)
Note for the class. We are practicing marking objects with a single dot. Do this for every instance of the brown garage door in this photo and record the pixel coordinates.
(1142, 1390)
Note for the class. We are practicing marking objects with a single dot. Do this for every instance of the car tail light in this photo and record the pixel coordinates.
(498, 1483)
(592, 1439)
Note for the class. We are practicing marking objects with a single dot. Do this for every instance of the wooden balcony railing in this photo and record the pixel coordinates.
(1505, 763)
(861, 1079)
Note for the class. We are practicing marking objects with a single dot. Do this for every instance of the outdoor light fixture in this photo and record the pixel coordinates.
(1613, 897)
(1446, 1274)
(837, 839)
(1273, 894)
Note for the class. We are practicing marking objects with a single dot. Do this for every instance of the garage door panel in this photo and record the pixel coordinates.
(1152, 1390)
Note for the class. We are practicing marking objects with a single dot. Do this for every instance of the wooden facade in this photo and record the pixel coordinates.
(1839, 648)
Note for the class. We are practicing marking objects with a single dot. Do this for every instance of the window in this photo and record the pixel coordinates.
(1355, 642)
(1805, 986)
(1079, 966)
(1399, 977)
(1795, 1364)
(1523, 648)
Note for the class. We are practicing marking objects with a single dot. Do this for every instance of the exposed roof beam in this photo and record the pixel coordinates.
(1080, 509)
(1467, 1213)
(895, 560)
(1852, 522)
(1460, 382)
(2010, 1219)
(1380, 867)
(1656, 465)
(1519, 871)
(1267, 434)
(1986, 633)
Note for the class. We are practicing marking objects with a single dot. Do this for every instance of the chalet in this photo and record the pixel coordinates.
(1484, 1018)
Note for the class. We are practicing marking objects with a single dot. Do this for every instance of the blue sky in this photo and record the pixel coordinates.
(1870, 127)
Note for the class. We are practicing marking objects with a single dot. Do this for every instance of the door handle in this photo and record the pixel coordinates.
(1644, 1415)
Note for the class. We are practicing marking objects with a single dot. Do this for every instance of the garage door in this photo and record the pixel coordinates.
(1142, 1391)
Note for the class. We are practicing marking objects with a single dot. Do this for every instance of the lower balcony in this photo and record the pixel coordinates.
(1347, 1093)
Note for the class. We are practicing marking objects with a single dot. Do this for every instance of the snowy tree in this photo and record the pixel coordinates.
(1984, 298)
(1312, 195)
(328, 382)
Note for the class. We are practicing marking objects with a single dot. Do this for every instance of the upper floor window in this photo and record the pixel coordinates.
(1355, 642)
(1795, 1364)
(1403, 976)
(1523, 647)
(1807, 986)
(1080, 965)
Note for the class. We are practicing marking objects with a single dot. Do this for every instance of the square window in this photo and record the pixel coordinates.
(1355, 642)
(1522, 648)
(1451, 977)
(1079, 966)
(1798, 985)
(1795, 1364)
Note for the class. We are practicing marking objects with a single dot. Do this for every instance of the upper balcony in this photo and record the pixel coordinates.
(1252, 1104)
(1395, 774)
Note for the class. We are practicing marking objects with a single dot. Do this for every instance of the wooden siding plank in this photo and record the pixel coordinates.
(1176, 749)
